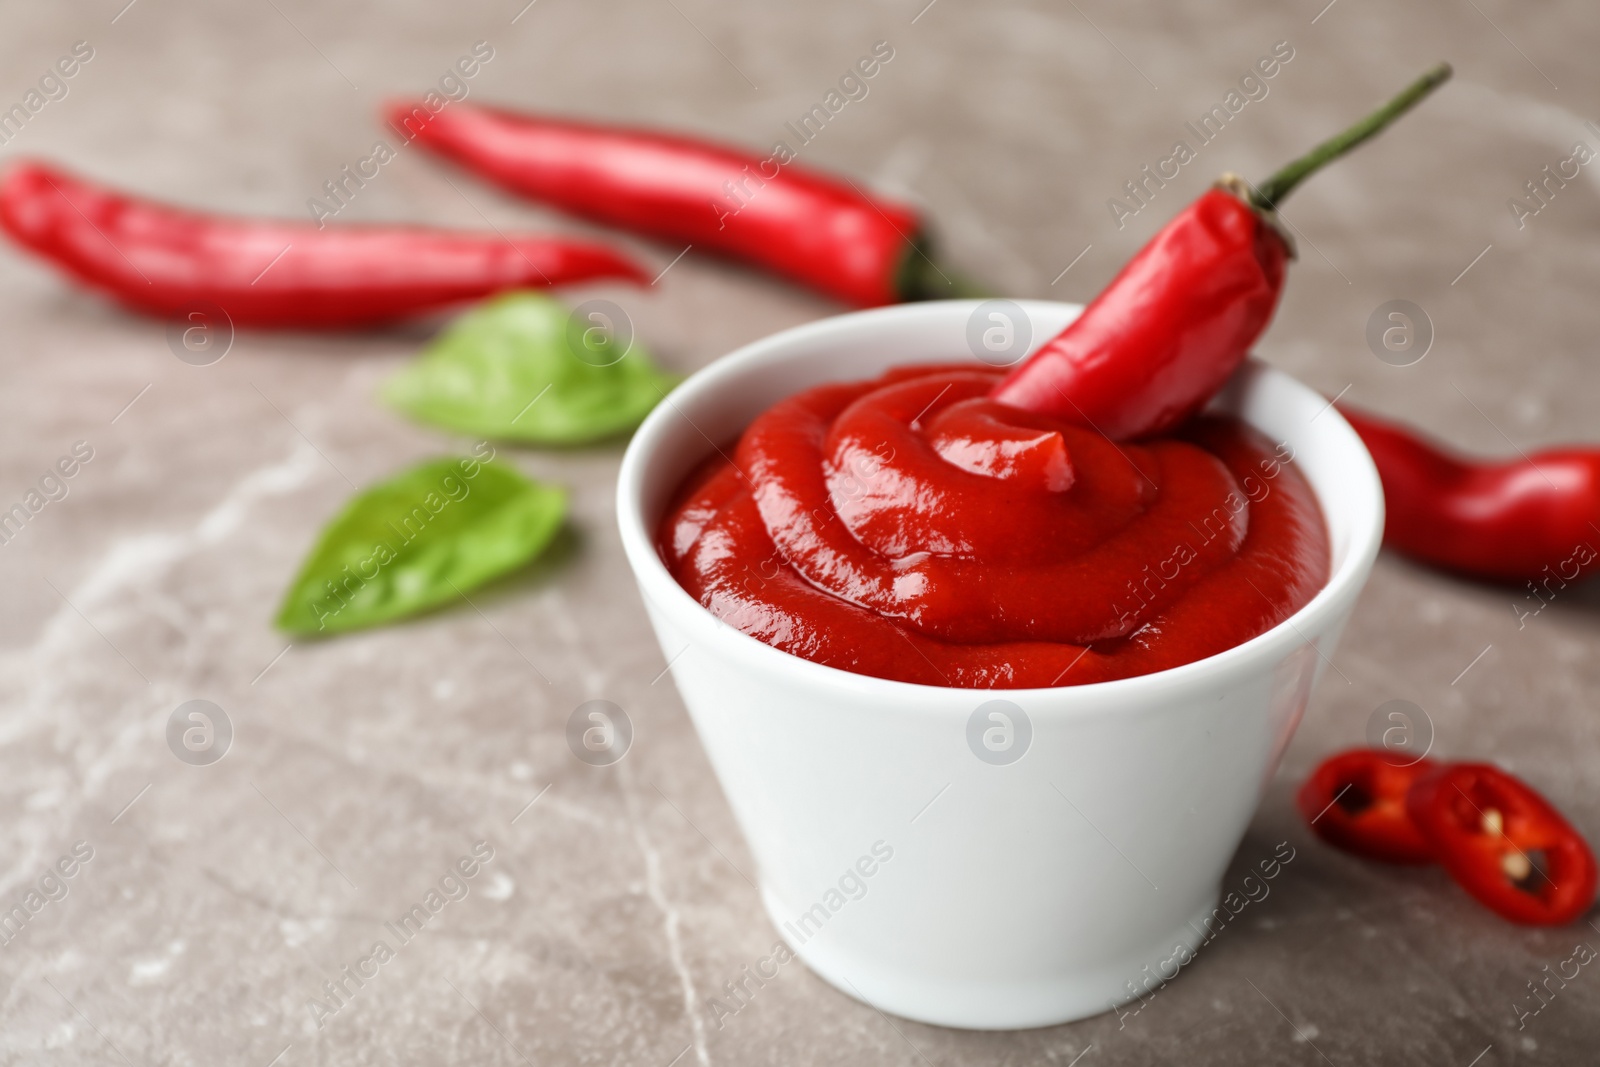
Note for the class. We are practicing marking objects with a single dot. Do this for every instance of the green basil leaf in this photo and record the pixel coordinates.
(419, 540)
(521, 368)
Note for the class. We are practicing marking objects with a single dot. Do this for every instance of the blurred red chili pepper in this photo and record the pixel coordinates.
(1356, 801)
(1504, 843)
(812, 228)
(1181, 316)
(1533, 517)
(164, 260)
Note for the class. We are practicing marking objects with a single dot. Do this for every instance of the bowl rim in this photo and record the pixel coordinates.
(657, 584)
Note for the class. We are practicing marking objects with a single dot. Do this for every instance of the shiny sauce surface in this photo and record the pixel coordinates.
(909, 528)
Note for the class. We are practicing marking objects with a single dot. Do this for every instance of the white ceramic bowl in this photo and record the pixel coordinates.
(1015, 895)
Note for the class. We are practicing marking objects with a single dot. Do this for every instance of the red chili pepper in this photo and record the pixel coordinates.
(1168, 331)
(1530, 518)
(1181, 316)
(1356, 801)
(812, 228)
(1504, 843)
(165, 261)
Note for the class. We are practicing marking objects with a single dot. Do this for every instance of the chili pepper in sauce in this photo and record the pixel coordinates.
(1534, 517)
(1178, 320)
(165, 261)
(1504, 843)
(1356, 801)
(821, 231)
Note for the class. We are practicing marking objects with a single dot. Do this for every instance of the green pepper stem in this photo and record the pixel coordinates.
(920, 278)
(1267, 195)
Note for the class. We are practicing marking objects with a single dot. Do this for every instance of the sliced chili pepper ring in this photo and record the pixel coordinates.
(1504, 843)
(1356, 801)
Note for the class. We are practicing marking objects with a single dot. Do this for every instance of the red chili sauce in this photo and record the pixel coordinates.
(910, 528)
